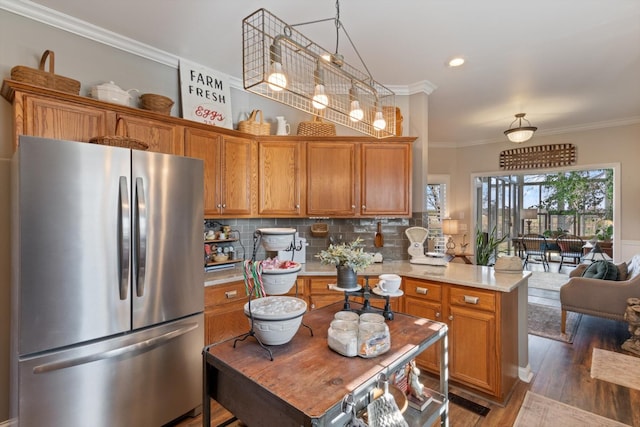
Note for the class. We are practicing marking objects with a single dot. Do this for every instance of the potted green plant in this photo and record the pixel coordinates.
(349, 259)
(487, 245)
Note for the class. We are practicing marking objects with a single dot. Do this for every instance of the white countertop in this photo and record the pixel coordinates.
(455, 273)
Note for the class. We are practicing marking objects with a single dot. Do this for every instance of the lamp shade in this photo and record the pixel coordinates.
(520, 133)
(450, 226)
(528, 213)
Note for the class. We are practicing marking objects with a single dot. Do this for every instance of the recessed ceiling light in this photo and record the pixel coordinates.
(456, 62)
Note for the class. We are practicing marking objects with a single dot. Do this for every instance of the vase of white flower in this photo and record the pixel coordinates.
(349, 259)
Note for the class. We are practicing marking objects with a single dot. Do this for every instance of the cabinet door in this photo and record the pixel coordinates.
(320, 294)
(430, 358)
(332, 183)
(238, 175)
(49, 118)
(206, 146)
(472, 348)
(280, 178)
(162, 137)
(224, 312)
(386, 179)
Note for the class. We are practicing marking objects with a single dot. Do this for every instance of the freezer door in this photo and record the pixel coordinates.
(167, 206)
(72, 213)
(144, 379)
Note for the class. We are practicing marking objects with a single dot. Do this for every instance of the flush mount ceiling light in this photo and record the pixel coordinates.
(281, 64)
(520, 133)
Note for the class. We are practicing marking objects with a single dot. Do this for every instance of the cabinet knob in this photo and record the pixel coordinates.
(353, 206)
(224, 205)
(297, 206)
(437, 315)
(451, 317)
(364, 207)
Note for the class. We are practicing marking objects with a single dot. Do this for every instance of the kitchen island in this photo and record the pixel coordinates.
(486, 312)
(306, 382)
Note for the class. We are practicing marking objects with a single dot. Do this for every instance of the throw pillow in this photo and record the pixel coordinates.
(622, 271)
(604, 270)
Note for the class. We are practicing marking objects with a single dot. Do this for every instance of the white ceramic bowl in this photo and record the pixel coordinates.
(277, 239)
(276, 319)
(279, 281)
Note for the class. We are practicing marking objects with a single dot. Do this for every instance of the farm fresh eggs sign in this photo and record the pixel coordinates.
(205, 93)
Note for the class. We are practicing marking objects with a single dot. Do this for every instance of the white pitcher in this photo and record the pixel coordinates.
(283, 127)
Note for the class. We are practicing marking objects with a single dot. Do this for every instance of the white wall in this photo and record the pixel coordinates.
(616, 145)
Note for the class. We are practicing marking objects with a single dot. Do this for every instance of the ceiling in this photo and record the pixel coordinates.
(568, 64)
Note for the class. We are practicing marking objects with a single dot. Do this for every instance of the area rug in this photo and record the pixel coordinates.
(616, 368)
(544, 321)
(540, 411)
(547, 280)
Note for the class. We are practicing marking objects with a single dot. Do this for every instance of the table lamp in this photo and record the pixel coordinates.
(529, 215)
(450, 227)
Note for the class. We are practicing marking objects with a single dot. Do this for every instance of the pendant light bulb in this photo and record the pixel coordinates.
(356, 114)
(379, 123)
(277, 79)
(320, 99)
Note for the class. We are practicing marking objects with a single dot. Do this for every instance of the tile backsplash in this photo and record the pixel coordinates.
(346, 230)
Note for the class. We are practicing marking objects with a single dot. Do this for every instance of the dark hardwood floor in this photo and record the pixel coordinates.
(561, 372)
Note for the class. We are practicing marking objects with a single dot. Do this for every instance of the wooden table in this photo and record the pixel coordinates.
(306, 382)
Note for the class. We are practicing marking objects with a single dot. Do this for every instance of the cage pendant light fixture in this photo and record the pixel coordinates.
(281, 64)
(520, 133)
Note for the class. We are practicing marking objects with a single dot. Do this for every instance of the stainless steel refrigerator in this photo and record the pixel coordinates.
(107, 285)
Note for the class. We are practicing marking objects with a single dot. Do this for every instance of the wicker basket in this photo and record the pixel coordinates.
(320, 229)
(120, 139)
(42, 78)
(316, 127)
(157, 103)
(252, 126)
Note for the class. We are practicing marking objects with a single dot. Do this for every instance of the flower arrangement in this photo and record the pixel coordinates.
(347, 254)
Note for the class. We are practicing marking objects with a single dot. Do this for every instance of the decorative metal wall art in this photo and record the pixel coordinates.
(538, 156)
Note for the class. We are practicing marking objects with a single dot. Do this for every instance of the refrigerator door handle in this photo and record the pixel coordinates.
(141, 237)
(137, 348)
(124, 238)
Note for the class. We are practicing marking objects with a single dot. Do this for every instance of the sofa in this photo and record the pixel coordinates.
(598, 297)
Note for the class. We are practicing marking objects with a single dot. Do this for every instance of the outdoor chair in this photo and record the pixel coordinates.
(570, 247)
(535, 245)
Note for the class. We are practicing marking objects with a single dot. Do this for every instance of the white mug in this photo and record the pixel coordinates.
(389, 283)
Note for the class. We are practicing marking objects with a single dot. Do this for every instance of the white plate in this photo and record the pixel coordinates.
(336, 288)
(277, 230)
(379, 291)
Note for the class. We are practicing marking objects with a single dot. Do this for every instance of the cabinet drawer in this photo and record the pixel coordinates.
(483, 300)
(224, 294)
(424, 290)
(321, 286)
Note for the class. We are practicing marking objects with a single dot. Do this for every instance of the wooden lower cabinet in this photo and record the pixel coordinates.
(224, 316)
(483, 344)
(224, 312)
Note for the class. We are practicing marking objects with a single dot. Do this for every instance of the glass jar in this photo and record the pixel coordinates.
(343, 337)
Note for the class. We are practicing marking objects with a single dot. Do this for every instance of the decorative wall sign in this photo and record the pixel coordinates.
(538, 156)
(205, 94)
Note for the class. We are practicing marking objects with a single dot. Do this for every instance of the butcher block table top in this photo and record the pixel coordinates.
(306, 382)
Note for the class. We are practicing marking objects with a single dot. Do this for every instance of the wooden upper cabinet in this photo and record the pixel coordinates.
(238, 175)
(50, 118)
(280, 178)
(162, 137)
(332, 178)
(229, 171)
(206, 145)
(386, 179)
